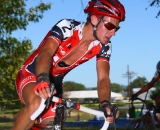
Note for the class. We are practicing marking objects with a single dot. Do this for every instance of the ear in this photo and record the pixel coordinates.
(94, 19)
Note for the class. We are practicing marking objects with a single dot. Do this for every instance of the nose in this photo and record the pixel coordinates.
(113, 32)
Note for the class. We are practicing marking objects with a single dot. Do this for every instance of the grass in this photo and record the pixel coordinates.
(84, 117)
(6, 126)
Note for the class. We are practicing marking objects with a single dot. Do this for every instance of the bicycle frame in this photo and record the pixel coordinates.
(69, 104)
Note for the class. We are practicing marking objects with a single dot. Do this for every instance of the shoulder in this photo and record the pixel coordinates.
(65, 28)
(70, 23)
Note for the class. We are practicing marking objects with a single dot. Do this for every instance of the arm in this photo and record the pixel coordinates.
(148, 85)
(43, 65)
(44, 58)
(104, 89)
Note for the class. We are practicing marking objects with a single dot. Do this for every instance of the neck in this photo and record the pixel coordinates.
(87, 33)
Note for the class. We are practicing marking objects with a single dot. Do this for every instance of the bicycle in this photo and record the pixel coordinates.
(61, 106)
(146, 121)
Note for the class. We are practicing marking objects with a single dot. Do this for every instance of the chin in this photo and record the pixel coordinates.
(105, 42)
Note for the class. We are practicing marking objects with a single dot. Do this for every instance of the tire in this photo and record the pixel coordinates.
(141, 123)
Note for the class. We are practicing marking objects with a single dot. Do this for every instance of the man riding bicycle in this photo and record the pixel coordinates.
(148, 86)
(68, 44)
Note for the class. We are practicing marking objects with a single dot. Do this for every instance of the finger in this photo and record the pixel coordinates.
(108, 111)
(48, 91)
(54, 92)
(41, 94)
(44, 92)
(110, 119)
(117, 114)
(36, 92)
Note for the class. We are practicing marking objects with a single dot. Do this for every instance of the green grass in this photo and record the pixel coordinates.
(6, 126)
(84, 117)
(12, 111)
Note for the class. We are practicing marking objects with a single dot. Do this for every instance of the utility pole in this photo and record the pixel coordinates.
(129, 76)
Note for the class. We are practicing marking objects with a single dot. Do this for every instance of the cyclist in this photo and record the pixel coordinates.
(148, 86)
(68, 44)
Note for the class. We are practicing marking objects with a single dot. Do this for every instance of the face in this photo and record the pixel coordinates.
(107, 28)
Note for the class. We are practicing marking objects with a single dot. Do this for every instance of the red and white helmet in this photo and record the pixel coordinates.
(111, 8)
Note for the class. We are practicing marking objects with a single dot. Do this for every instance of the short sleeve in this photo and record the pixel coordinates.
(63, 29)
(105, 52)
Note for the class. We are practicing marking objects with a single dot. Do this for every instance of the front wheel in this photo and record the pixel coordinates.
(137, 124)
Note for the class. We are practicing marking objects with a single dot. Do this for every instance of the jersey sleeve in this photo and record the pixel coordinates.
(105, 52)
(63, 29)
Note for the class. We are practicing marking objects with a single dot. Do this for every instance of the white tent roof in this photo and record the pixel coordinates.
(143, 95)
(87, 94)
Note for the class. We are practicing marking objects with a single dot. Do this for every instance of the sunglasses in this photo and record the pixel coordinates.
(109, 25)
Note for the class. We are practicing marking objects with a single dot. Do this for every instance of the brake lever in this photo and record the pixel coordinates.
(47, 102)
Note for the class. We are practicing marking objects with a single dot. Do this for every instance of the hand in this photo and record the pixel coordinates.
(42, 89)
(110, 111)
(133, 97)
(158, 116)
(111, 117)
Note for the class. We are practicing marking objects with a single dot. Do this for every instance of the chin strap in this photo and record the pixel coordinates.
(95, 28)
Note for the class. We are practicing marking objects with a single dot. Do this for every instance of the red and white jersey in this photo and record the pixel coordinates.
(68, 34)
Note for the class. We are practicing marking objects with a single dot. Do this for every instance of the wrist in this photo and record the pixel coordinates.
(42, 77)
(104, 104)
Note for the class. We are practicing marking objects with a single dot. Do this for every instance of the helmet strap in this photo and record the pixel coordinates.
(95, 28)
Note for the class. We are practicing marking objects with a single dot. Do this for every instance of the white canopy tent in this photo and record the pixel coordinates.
(88, 94)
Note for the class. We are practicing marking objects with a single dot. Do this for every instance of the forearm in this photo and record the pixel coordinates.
(145, 88)
(104, 90)
(43, 63)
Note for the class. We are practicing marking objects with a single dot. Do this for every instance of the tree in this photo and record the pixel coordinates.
(155, 3)
(13, 52)
(72, 86)
(138, 82)
(116, 87)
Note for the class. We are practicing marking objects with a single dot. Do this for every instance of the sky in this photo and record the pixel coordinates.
(136, 45)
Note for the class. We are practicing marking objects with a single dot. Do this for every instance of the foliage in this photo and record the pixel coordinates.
(155, 3)
(155, 92)
(14, 15)
(138, 82)
(94, 88)
(13, 52)
(116, 87)
(72, 86)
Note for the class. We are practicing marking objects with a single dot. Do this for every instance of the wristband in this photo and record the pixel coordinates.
(42, 77)
(103, 108)
(105, 101)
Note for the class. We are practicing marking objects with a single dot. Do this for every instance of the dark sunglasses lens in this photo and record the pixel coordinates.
(110, 26)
